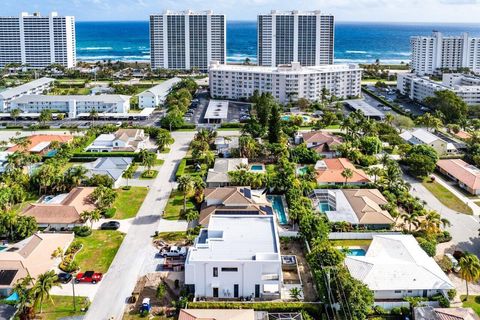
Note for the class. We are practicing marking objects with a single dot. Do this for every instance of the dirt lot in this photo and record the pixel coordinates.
(296, 247)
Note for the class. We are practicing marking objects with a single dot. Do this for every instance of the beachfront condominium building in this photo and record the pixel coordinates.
(187, 40)
(285, 82)
(37, 41)
(293, 36)
(432, 54)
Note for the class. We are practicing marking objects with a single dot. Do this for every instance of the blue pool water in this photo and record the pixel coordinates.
(2, 248)
(302, 170)
(51, 153)
(323, 207)
(356, 252)
(256, 167)
(278, 208)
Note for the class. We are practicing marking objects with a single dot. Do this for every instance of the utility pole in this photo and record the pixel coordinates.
(73, 289)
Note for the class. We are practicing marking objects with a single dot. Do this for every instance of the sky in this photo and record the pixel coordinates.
(452, 11)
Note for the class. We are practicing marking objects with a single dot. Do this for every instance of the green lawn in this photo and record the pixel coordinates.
(159, 162)
(149, 175)
(31, 197)
(173, 236)
(472, 302)
(165, 150)
(447, 198)
(350, 243)
(173, 210)
(61, 307)
(98, 250)
(129, 201)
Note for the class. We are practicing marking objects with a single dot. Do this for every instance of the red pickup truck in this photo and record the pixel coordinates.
(88, 276)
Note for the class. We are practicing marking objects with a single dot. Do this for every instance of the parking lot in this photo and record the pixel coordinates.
(409, 106)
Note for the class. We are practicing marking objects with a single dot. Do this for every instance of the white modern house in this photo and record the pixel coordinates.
(425, 137)
(74, 105)
(417, 88)
(38, 41)
(306, 37)
(237, 256)
(132, 140)
(395, 266)
(34, 87)
(114, 167)
(187, 40)
(431, 54)
(285, 82)
(156, 95)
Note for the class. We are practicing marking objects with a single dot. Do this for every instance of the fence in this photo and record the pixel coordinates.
(358, 235)
(389, 305)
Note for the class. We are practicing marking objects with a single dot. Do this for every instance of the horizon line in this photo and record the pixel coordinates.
(337, 21)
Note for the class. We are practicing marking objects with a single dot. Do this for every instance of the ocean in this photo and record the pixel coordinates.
(354, 42)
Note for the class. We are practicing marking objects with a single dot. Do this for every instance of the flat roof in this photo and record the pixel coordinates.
(88, 98)
(217, 109)
(284, 69)
(237, 237)
(367, 109)
(12, 92)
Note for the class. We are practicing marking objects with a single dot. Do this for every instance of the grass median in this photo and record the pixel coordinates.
(446, 197)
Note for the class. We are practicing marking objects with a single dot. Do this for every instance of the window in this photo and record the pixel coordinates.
(215, 272)
(229, 269)
(398, 291)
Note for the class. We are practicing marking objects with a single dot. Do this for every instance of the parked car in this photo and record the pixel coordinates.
(387, 108)
(110, 225)
(88, 276)
(64, 277)
(174, 251)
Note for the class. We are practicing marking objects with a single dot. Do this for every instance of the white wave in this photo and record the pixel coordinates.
(382, 61)
(114, 58)
(95, 48)
(127, 48)
(356, 51)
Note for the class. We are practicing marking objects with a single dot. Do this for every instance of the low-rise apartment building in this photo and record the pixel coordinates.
(425, 137)
(419, 88)
(467, 176)
(237, 256)
(155, 96)
(35, 87)
(73, 105)
(285, 82)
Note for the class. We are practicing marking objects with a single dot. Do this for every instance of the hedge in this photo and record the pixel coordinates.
(314, 309)
(232, 125)
(188, 126)
(181, 168)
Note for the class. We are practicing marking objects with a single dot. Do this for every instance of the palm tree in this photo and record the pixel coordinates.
(469, 269)
(198, 186)
(186, 186)
(347, 173)
(75, 175)
(128, 174)
(24, 301)
(375, 172)
(432, 222)
(93, 115)
(149, 161)
(14, 114)
(191, 215)
(411, 219)
(41, 289)
(389, 118)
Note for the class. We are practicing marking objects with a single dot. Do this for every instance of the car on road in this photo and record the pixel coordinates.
(88, 276)
(64, 277)
(174, 251)
(386, 108)
(110, 225)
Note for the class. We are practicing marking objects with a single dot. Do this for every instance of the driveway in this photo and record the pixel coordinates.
(464, 228)
(137, 254)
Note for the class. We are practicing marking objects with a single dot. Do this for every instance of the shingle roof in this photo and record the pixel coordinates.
(366, 204)
(462, 171)
(396, 262)
(321, 138)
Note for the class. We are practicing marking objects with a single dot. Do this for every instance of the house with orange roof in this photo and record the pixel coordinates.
(32, 256)
(467, 176)
(329, 172)
(232, 201)
(62, 211)
(40, 143)
(323, 143)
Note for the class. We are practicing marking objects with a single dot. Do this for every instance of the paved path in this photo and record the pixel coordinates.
(136, 254)
(450, 186)
(464, 228)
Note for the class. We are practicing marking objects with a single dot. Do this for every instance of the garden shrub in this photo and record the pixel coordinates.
(83, 231)
(109, 213)
(429, 246)
(451, 294)
(181, 168)
(444, 237)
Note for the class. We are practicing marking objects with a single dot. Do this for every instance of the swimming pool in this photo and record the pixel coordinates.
(256, 167)
(287, 117)
(302, 170)
(3, 248)
(278, 208)
(51, 153)
(324, 207)
(356, 252)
